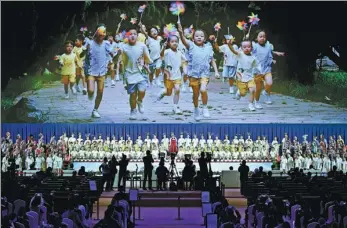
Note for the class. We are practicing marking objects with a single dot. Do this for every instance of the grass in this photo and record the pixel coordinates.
(336, 79)
(6, 102)
(24, 84)
(331, 85)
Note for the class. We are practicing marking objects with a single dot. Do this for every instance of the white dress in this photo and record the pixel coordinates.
(344, 166)
(38, 163)
(4, 164)
(319, 164)
(308, 162)
(49, 162)
(290, 163)
(56, 162)
(326, 165)
(59, 162)
(28, 162)
(339, 163)
(283, 164)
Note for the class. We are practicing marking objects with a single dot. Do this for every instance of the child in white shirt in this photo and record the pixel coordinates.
(173, 60)
(229, 64)
(200, 57)
(153, 42)
(135, 80)
(247, 68)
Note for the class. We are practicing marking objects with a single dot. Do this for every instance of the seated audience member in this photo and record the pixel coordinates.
(22, 217)
(162, 173)
(82, 171)
(333, 173)
(56, 220)
(36, 203)
(188, 174)
(75, 214)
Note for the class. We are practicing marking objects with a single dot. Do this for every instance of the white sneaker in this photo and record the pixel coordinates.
(257, 105)
(133, 115)
(177, 110)
(237, 95)
(73, 89)
(95, 114)
(78, 89)
(113, 84)
(117, 78)
(231, 90)
(183, 89)
(205, 112)
(140, 107)
(251, 107)
(143, 117)
(84, 91)
(197, 114)
(190, 90)
(268, 100)
(67, 96)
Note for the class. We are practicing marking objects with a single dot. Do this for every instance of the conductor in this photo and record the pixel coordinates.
(148, 160)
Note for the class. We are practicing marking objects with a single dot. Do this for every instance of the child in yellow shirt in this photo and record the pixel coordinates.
(68, 69)
(78, 51)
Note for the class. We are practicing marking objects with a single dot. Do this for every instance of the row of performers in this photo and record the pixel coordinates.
(172, 144)
(136, 153)
(316, 162)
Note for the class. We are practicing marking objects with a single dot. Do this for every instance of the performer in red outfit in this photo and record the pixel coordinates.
(173, 144)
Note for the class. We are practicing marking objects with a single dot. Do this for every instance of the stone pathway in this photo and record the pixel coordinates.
(223, 108)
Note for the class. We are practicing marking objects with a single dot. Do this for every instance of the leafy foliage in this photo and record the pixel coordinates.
(6, 102)
(335, 79)
(330, 85)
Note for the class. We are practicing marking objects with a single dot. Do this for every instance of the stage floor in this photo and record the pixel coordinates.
(216, 166)
(223, 108)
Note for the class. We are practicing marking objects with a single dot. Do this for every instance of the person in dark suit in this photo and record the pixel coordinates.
(203, 166)
(113, 168)
(148, 160)
(123, 164)
(104, 168)
(243, 170)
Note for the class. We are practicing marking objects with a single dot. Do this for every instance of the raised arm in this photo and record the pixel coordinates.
(230, 45)
(143, 29)
(162, 52)
(118, 28)
(184, 40)
(216, 46)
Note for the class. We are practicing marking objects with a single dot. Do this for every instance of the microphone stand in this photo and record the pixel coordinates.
(136, 176)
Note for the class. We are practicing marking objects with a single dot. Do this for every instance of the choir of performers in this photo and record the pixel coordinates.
(38, 154)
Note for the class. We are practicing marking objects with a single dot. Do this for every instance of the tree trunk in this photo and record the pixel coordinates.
(97, 17)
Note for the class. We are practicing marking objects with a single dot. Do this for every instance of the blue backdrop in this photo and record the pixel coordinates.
(268, 130)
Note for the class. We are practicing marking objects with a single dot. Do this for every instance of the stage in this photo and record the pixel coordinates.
(216, 166)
